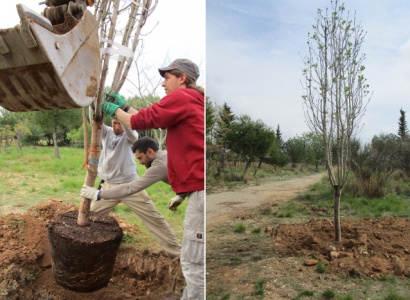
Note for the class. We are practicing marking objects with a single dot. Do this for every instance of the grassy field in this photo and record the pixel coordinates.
(35, 176)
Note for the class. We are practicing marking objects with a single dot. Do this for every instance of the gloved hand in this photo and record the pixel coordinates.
(175, 202)
(117, 100)
(109, 108)
(90, 193)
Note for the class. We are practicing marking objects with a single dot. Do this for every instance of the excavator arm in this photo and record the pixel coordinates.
(50, 61)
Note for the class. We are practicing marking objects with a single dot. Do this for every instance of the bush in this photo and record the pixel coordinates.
(328, 294)
(239, 228)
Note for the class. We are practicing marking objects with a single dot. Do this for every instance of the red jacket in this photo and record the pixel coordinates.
(182, 114)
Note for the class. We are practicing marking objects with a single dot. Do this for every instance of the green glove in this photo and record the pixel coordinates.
(117, 99)
(109, 108)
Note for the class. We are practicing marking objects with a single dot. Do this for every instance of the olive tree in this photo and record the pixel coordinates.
(336, 91)
(250, 139)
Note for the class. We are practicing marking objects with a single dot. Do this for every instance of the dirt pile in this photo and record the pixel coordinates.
(25, 263)
(369, 247)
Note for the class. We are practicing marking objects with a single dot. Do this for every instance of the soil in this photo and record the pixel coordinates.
(370, 248)
(26, 271)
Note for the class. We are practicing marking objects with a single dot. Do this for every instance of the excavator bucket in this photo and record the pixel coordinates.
(49, 67)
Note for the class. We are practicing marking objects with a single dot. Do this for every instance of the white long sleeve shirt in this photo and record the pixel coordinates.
(117, 162)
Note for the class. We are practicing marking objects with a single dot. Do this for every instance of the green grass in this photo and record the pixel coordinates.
(239, 228)
(258, 289)
(304, 295)
(321, 267)
(36, 176)
(320, 199)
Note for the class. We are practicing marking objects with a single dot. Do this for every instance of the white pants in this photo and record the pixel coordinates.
(192, 252)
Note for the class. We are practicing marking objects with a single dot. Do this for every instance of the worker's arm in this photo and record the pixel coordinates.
(154, 174)
(132, 135)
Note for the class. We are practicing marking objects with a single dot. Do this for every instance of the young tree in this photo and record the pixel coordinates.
(336, 91)
(108, 14)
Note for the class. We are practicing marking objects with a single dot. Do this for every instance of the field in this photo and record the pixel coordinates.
(36, 188)
(274, 239)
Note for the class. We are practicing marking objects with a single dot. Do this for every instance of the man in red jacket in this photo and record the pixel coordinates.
(181, 113)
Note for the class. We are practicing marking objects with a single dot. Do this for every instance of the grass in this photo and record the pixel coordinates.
(258, 290)
(321, 267)
(320, 199)
(36, 176)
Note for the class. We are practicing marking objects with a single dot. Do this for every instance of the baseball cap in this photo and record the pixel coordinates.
(184, 65)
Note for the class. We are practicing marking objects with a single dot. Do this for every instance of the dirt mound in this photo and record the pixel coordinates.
(25, 263)
(369, 247)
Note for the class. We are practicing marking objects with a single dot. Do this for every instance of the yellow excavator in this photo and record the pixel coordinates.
(50, 61)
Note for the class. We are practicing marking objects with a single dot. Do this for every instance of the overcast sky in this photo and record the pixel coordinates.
(176, 29)
(254, 59)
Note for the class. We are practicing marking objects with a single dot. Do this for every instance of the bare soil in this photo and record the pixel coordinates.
(26, 272)
(221, 207)
(286, 253)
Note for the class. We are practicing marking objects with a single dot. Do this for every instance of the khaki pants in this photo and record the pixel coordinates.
(142, 205)
(192, 252)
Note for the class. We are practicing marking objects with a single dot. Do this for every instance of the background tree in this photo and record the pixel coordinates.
(55, 125)
(210, 119)
(314, 146)
(6, 136)
(336, 91)
(404, 144)
(295, 149)
(250, 139)
(277, 156)
(8, 118)
(224, 120)
(403, 132)
(374, 163)
(279, 139)
(21, 130)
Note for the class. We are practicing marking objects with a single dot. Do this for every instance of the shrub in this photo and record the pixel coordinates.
(239, 228)
(328, 294)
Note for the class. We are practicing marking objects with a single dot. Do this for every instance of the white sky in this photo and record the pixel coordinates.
(254, 59)
(176, 29)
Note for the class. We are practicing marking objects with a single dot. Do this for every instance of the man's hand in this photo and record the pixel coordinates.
(109, 108)
(175, 202)
(117, 100)
(90, 193)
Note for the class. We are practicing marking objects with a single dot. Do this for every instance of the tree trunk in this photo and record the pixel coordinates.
(85, 130)
(247, 165)
(338, 231)
(92, 171)
(56, 153)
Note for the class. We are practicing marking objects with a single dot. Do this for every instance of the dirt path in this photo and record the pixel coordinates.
(221, 206)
